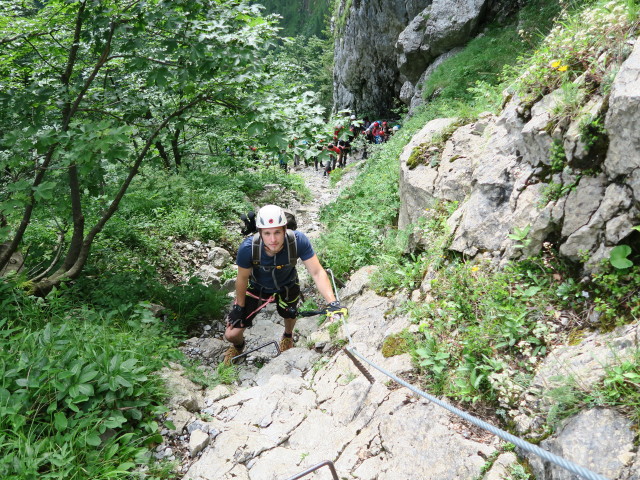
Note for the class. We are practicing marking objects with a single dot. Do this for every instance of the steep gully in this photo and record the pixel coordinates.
(310, 404)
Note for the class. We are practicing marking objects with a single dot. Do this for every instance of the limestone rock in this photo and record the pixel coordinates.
(623, 119)
(197, 442)
(417, 185)
(212, 348)
(357, 282)
(292, 363)
(536, 136)
(183, 392)
(588, 439)
(365, 66)
(579, 154)
(500, 468)
(180, 418)
(219, 257)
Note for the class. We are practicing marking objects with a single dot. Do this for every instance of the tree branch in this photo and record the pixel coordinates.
(154, 60)
(44, 286)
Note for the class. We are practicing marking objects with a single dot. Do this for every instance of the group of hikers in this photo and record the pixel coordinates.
(378, 131)
(267, 257)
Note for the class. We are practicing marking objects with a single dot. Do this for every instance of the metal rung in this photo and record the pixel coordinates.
(258, 348)
(313, 469)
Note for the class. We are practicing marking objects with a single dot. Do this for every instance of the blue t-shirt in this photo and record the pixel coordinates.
(272, 280)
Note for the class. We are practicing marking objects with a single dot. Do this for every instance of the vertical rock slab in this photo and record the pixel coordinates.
(365, 70)
(623, 119)
(598, 439)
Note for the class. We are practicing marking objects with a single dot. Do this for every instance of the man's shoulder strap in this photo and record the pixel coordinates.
(256, 248)
(292, 247)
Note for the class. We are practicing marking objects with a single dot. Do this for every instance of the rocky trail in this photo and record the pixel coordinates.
(310, 404)
(290, 412)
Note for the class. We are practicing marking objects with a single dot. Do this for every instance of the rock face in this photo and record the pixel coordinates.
(589, 439)
(384, 49)
(302, 408)
(499, 170)
(365, 66)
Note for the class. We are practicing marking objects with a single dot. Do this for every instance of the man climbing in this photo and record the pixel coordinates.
(266, 272)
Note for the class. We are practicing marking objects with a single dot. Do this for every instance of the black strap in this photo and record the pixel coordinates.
(292, 247)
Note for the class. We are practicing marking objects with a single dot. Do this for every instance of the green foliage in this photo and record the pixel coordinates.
(355, 222)
(184, 304)
(593, 133)
(472, 76)
(620, 387)
(558, 159)
(300, 18)
(308, 61)
(341, 11)
(333, 329)
(78, 398)
(616, 295)
(518, 472)
(483, 331)
(399, 270)
(209, 378)
(520, 235)
(396, 344)
(191, 107)
(618, 257)
(568, 103)
(554, 191)
(574, 47)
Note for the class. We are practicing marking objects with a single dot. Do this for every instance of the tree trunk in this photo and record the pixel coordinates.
(44, 286)
(177, 156)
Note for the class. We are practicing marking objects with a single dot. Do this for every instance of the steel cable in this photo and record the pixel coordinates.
(517, 441)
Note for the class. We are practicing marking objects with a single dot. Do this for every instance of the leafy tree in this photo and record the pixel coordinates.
(309, 59)
(90, 90)
(307, 18)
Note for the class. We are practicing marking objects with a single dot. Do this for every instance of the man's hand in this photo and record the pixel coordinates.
(335, 310)
(236, 317)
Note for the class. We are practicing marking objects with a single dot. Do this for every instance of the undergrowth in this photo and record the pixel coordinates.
(78, 393)
(79, 397)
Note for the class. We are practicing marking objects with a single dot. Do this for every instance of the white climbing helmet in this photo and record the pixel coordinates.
(271, 216)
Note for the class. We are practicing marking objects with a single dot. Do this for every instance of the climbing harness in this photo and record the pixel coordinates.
(523, 444)
(266, 302)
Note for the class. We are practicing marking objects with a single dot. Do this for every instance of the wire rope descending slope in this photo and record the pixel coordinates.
(304, 407)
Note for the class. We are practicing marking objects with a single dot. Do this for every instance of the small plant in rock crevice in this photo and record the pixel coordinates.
(620, 387)
(593, 134)
(558, 159)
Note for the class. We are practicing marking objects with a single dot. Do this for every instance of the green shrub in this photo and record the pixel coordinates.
(483, 331)
(616, 295)
(78, 397)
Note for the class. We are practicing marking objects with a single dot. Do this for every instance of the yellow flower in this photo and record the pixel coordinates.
(555, 64)
(563, 68)
(475, 269)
